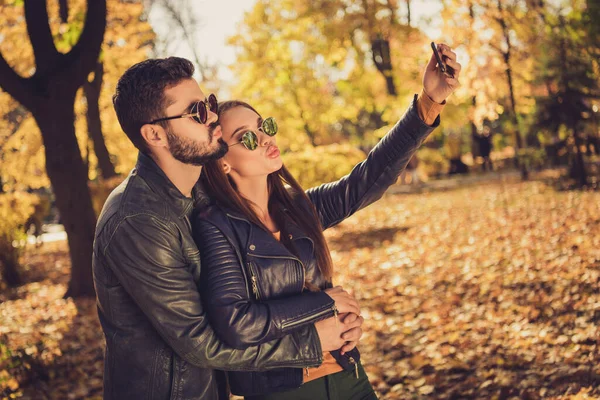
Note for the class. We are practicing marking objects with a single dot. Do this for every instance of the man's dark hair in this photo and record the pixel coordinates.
(140, 94)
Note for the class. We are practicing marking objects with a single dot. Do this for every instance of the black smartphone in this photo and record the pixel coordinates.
(443, 67)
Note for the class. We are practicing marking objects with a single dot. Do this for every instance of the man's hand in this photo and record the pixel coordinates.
(335, 332)
(353, 335)
(436, 84)
(344, 301)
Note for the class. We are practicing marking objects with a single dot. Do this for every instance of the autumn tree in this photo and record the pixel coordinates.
(128, 39)
(49, 93)
(310, 63)
(571, 80)
(498, 37)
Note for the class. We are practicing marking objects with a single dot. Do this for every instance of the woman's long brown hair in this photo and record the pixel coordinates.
(283, 206)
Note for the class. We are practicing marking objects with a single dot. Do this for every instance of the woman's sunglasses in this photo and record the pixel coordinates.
(199, 111)
(250, 138)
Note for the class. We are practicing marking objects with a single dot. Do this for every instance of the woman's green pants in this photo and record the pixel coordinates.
(339, 386)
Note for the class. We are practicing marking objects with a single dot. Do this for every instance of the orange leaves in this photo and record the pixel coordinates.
(48, 344)
(476, 293)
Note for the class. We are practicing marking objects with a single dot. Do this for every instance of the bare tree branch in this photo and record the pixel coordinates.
(64, 10)
(14, 84)
(84, 55)
(38, 28)
(182, 17)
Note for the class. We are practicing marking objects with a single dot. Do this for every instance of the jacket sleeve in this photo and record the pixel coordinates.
(145, 255)
(369, 180)
(236, 318)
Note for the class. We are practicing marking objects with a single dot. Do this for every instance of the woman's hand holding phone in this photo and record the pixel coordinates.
(441, 74)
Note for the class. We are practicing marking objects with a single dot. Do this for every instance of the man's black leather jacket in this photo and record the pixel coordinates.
(146, 268)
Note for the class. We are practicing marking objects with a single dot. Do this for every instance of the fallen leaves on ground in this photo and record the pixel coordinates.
(488, 292)
(50, 347)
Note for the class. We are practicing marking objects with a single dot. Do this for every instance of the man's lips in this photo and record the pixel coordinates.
(217, 133)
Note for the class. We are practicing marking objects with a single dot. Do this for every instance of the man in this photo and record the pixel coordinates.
(146, 266)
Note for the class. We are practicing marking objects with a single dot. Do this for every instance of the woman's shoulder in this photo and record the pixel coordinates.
(212, 213)
(211, 219)
(299, 198)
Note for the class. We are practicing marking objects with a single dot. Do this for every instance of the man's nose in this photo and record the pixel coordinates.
(212, 118)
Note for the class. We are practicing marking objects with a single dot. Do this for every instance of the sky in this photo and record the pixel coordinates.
(219, 20)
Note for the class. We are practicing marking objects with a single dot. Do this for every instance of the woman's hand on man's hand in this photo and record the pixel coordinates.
(344, 301)
(353, 335)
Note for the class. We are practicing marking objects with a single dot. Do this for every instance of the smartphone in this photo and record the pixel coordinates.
(443, 67)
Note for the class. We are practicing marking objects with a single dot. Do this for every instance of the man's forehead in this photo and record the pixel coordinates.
(183, 94)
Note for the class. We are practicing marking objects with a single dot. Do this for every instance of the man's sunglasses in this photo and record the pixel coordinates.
(199, 111)
(250, 138)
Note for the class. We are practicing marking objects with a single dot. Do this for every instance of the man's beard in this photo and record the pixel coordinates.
(189, 152)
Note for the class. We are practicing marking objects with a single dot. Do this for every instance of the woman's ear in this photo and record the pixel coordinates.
(226, 167)
(154, 135)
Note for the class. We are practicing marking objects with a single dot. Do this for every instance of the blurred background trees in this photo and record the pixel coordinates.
(529, 91)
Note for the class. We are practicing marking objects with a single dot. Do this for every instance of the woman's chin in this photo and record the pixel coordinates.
(277, 164)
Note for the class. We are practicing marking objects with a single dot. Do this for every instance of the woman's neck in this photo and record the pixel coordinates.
(257, 191)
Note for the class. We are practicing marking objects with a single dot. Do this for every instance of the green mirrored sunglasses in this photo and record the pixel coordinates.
(250, 138)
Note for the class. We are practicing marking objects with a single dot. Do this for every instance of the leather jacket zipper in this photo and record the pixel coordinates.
(352, 361)
(335, 314)
(300, 321)
(254, 281)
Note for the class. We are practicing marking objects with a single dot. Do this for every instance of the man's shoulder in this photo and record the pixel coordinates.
(135, 196)
(133, 200)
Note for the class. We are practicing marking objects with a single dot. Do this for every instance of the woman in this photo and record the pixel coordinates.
(262, 241)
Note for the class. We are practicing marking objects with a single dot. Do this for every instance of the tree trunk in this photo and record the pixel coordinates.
(392, 7)
(472, 122)
(577, 169)
(92, 94)
(50, 96)
(518, 140)
(408, 12)
(68, 176)
(513, 105)
(311, 135)
(9, 269)
(389, 81)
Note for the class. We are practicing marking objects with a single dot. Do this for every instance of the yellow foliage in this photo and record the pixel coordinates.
(432, 162)
(101, 189)
(322, 164)
(15, 210)
(310, 67)
(23, 160)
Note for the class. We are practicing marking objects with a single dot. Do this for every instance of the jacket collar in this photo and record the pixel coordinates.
(161, 184)
(293, 229)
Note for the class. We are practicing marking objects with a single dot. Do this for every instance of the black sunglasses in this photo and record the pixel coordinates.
(199, 111)
(250, 138)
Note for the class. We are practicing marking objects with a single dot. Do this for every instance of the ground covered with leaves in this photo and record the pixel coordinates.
(487, 292)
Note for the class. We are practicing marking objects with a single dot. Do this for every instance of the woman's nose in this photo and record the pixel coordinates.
(266, 140)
